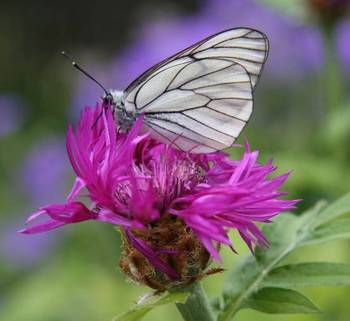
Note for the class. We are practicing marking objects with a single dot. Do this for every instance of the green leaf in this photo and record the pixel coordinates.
(280, 301)
(285, 234)
(215, 303)
(288, 232)
(308, 274)
(140, 310)
(336, 209)
(281, 234)
(246, 276)
(336, 230)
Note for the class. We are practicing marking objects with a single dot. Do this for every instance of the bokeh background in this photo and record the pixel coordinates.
(301, 119)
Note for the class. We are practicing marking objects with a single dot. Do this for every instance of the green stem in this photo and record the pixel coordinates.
(332, 80)
(197, 307)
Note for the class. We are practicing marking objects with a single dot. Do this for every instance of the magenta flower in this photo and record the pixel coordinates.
(171, 206)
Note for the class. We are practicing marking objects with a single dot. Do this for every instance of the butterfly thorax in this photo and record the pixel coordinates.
(124, 119)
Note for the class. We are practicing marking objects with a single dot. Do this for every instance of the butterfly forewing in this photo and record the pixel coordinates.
(201, 98)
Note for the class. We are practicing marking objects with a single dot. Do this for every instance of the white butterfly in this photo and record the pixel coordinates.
(200, 98)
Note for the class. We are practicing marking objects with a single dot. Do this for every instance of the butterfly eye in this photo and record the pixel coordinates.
(108, 99)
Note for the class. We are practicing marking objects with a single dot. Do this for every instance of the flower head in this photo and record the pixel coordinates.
(174, 209)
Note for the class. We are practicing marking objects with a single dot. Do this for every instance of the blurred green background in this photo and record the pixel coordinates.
(302, 111)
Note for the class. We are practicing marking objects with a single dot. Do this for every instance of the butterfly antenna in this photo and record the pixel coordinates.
(75, 65)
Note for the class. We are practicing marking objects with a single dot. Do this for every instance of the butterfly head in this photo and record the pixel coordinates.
(123, 118)
(107, 99)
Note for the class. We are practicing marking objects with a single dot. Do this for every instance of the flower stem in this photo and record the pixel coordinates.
(197, 306)
(332, 74)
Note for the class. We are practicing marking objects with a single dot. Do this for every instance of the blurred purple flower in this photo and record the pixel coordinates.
(297, 49)
(155, 42)
(11, 114)
(343, 43)
(45, 171)
(136, 182)
(19, 251)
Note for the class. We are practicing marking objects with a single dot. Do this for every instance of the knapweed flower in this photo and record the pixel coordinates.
(174, 209)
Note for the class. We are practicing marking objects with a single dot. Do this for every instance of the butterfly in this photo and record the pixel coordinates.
(201, 98)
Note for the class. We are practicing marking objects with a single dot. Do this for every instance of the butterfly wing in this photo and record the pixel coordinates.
(245, 46)
(201, 98)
